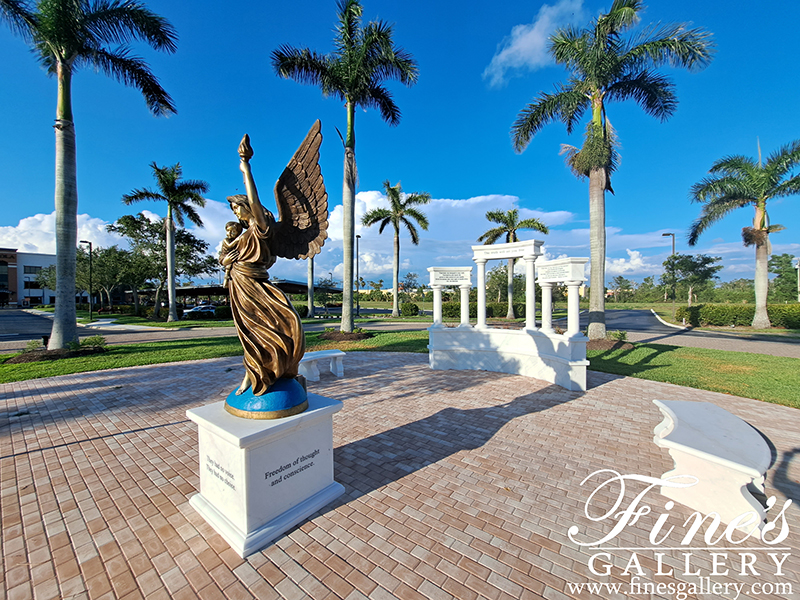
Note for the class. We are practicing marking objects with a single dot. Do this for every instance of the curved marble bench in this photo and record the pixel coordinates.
(722, 451)
(308, 364)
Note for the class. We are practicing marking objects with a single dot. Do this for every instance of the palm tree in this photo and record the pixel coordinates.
(179, 196)
(605, 67)
(364, 57)
(401, 207)
(67, 35)
(509, 223)
(738, 181)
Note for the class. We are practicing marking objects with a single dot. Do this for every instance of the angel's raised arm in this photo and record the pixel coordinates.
(256, 208)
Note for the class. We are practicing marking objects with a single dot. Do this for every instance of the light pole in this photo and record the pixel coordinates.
(673, 271)
(358, 281)
(797, 266)
(90, 277)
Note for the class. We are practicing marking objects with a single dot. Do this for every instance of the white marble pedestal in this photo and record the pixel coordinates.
(260, 478)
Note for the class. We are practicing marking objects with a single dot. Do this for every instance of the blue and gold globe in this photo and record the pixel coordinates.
(286, 397)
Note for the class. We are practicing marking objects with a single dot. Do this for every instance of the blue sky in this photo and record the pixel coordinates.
(478, 69)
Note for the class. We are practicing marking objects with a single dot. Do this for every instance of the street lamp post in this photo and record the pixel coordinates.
(358, 281)
(673, 271)
(797, 266)
(90, 277)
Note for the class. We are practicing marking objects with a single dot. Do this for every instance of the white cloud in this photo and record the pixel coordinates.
(527, 45)
(635, 264)
(38, 233)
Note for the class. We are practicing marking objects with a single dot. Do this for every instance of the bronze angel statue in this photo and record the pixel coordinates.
(268, 326)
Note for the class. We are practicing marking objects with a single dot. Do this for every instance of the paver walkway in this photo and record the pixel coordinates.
(458, 484)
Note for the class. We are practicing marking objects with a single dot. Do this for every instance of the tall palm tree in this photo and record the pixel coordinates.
(739, 181)
(67, 35)
(603, 67)
(364, 57)
(400, 212)
(509, 222)
(179, 196)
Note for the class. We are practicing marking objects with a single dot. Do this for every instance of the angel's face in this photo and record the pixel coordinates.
(241, 211)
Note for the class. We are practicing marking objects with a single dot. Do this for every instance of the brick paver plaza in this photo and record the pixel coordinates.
(458, 484)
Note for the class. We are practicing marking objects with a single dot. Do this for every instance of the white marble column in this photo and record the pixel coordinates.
(573, 307)
(437, 305)
(547, 306)
(481, 262)
(530, 293)
(464, 304)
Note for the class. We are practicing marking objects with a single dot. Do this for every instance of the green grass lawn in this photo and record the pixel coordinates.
(768, 378)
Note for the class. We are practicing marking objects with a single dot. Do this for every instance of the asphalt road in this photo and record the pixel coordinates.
(643, 326)
(17, 327)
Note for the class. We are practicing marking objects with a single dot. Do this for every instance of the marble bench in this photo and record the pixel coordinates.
(727, 456)
(308, 364)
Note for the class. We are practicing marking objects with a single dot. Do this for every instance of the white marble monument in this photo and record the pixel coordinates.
(534, 352)
(259, 478)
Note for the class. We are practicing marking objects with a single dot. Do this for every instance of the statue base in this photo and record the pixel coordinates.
(258, 479)
(284, 398)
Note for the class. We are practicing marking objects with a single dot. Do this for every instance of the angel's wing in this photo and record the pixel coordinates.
(302, 202)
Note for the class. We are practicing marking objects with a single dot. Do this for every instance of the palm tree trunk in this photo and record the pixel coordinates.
(349, 218)
(310, 310)
(173, 308)
(510, 312)
(761, 318)
(396, 275)
(597, 243)
(65, 328)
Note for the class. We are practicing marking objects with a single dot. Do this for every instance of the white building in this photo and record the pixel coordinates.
(18, 278)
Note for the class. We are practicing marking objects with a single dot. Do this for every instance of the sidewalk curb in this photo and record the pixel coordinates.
(663, 322)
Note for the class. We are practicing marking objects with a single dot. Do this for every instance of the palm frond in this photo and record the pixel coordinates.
(783, 160)
(534, 224)
(491, 236)
(376, 214)
(566, 104)
(412, 231)
(302, 65)
(123, 21)
(725, 186)
(505, 218)
(672, 45)
(650, 90)
(380, 98)
(131, 71)
(16, 15)
(140, 195)
(187, 210)
(418, 216)
(712, 212)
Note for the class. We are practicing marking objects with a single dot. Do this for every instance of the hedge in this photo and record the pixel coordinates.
(409, 309)
(786, 316)
(500, 309)
(452, 310)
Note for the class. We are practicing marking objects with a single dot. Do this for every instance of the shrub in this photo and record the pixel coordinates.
(33, 346)
(93, 341)
(500, 309)
(301, 310)
(224, 312)
(409, 309)
(452, 310)
(723, 315)
(619, 336)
